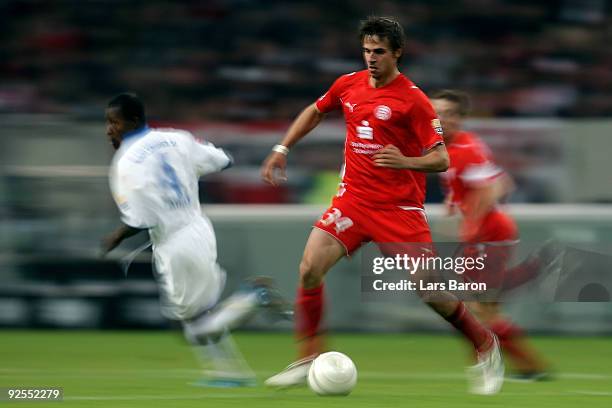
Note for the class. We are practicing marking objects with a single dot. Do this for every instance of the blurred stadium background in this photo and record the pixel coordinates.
(236, 72)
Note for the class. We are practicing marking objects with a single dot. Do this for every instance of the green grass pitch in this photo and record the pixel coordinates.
(154, 369)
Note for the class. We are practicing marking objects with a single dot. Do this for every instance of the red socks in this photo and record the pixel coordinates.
(521, 274)
(470, 327)
(505, 329)
(511, 341)
(309, 312)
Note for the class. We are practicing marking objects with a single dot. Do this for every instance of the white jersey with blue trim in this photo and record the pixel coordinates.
(154, 179)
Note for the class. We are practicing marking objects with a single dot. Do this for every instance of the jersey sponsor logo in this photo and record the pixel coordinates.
(437, 126)
(365, 148)
(382, 112)
(365, 131)
(334, 216)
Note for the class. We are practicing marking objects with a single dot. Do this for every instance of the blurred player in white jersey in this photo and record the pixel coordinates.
(154, 181)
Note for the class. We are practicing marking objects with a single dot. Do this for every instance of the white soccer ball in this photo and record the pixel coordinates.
(332, 373)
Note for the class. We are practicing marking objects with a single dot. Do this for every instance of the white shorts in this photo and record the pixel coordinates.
(186, 269)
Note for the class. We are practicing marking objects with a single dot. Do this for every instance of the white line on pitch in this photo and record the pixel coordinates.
(184, 373)
(594, 393)
(161, 397)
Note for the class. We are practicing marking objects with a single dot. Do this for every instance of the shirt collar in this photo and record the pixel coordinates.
(141, 131)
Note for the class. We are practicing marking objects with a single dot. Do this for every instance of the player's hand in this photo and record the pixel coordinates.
(450, 207)
(273, 170)
(470, 230)
(391, 157)
(108, 243)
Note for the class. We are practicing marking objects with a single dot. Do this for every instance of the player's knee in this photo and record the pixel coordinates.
(310, 275)
(428, 297)
(434, 297)
(421, 275)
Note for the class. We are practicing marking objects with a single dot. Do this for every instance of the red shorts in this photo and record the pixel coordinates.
(354, 223)
(495, 227)
(496, 255)
(496, 240)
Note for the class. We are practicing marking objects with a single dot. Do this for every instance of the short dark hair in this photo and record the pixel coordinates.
(461, 99)
(383, 27)
(130, 106)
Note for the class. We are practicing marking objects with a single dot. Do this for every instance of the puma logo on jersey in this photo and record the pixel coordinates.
(350, 106)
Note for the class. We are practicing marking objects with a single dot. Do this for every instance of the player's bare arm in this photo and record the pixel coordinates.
(434, 161)
(112, 240)
(479, 202)
(504, 187)
(449, 206)
(273, 168)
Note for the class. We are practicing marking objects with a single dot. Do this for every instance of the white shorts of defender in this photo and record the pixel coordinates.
(190, 280)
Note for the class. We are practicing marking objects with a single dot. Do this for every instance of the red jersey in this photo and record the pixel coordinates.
(472, 166)
(397, 113)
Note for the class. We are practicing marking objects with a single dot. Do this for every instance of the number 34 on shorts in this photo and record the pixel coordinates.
(334, 216)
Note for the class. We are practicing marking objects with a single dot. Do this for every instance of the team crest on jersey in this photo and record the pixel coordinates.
(437, 126)
(382, 112)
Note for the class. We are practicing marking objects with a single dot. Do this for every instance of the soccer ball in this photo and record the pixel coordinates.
(332, 373)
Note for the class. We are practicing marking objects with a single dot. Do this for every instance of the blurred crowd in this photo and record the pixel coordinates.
(245, 60)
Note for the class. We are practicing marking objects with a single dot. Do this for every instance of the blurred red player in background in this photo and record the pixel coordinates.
(475, 185)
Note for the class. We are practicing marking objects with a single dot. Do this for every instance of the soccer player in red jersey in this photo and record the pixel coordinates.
(474, 185)
(393, 138)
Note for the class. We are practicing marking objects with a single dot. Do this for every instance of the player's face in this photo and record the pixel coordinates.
(448, 113)
(116, 126)
(380, 60)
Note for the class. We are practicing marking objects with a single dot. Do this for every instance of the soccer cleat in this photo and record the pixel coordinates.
(487, 376)
(294, 375)
(269, 297)
(225, 382)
